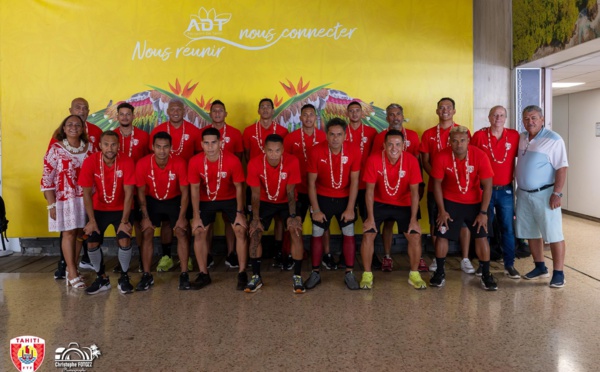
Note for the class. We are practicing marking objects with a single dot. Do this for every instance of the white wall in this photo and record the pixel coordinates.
(492, 35)
(560, 124)
(578, 113)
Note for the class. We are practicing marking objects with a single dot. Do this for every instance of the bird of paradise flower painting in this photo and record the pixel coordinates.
(151, 106)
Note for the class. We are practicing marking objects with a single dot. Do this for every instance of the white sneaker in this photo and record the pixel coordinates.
(465, 265)
(433, 266)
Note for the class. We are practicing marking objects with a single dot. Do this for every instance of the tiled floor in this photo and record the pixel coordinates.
(525, 326)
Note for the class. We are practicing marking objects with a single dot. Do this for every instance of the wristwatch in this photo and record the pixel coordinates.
(483, 212)
(559, 194)
(293, 215)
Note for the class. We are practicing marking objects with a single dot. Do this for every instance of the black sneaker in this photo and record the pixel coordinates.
(254, 284)
(124, 285)
(298, 284)
(288, 263)
(145, 283)
(99, 285)
(350, 281)
(512, 273)
(202, 280)
(376, 263)
(210, 262)
(242, 281)
(328, 262)
(232, 261)
(313, 280)
(479, 271)
(184, 282)
(278, 260)
(85, 263)
(117, 269)
(60, 272)
(489, 283)
(438, 279)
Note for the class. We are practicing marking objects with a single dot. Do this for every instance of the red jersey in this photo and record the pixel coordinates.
(463, 190)
(394, 192)
(362, 137)
(134, 146)
(273, 181)
(108, 181)
(501, 152)
(93, 131)
(229, 170)
(231, 139)
(333, 171)
(411, 142)
(432, 145)
(254, 137)
(299, 144)
(161, 184)
(185, 140)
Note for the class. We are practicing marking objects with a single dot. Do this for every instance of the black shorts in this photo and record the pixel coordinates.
(136, 212)
(387, 212)
(302, 205)
(462, 214)
(270, 210)
(432, 209)
(361, 204)
(163, 210)
(209, 209)
(333, 207)
(103, 220)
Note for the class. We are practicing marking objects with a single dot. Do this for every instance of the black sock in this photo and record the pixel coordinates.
(166, 250)
(255, 266)
(440, 264)
(278, 247)
(297, 267)
(485, 267)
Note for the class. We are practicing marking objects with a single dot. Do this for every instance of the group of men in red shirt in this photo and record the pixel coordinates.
(328, 172)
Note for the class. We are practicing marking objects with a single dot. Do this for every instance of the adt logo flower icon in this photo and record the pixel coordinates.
(206, 21)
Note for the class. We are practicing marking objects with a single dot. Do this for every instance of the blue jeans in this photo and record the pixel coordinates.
(502, 204)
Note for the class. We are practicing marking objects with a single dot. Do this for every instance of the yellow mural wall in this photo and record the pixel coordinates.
(409, 52)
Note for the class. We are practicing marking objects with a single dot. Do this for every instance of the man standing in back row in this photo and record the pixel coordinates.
(541, 175)
(500, 145)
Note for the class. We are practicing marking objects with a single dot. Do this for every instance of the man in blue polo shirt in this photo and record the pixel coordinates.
(541, 173)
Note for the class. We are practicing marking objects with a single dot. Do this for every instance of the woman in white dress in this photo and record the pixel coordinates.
(66, 212)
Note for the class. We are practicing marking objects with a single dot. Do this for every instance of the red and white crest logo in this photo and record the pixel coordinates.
(27, 352)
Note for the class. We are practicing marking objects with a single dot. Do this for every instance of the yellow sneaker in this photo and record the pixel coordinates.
(414, 279)
(165, 264)
(190, 264)
(367, 280)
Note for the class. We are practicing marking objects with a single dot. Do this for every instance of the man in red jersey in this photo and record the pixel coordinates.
(333, 171)
(501, 146)
(299, 143)
(459, 173)
(216, 179)
(395, 119)
(393, 177)
(108, 181)
(186, 141)
(362, 136)
(231, 140)
(433, 141)
(272, 179)
(133, 143)
(81, 108)
(163, 194)
(254, 141)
